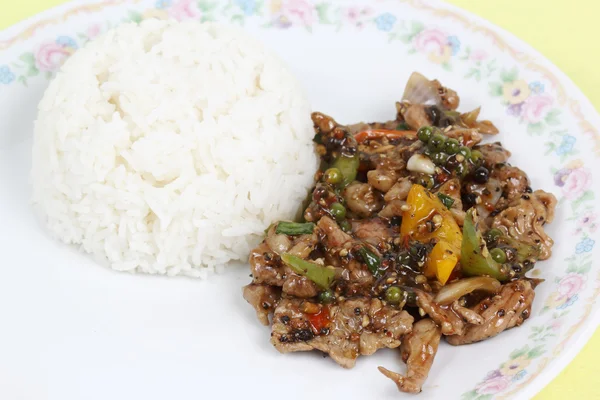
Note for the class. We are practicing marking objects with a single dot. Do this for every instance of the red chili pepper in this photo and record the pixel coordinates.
(379, 133)
(319, 320)
(442, 177)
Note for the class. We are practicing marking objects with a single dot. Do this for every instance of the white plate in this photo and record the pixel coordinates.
(71, 329)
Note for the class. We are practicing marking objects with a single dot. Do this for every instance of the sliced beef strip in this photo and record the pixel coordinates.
(467, 314)
(400, 190)
(418, 351)
(515, 183)
(299, 286)
(526, 219)
(356, 279)
(373, 231)
(382, 179)
(266, 266)
(486, 197)
(493, 153)
(445, 317)
(395, 198)
(332, 235)
(357, 326)
(362, 199)
(387, 165)
(263, 298)
(415, 115)
(392, 209)
(507, 309)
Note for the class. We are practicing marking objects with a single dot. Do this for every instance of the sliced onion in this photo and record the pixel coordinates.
(455, 290)
(485, 127)
(470, 118)
(279, 243)
(420, 90)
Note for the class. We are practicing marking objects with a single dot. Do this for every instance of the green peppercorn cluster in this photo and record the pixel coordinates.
(448, 153)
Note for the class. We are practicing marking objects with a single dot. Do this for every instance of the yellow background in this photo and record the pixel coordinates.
(565, 31)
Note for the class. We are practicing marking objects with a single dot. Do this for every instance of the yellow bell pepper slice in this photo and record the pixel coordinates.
(441, 262)
(428, 219)
(423, 206)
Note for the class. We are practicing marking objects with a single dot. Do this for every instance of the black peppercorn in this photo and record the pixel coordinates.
(481, 175)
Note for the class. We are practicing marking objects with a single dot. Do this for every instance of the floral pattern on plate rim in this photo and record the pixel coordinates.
(529, 102)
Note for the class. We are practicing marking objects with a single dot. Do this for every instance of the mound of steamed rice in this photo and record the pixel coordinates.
(168, 148)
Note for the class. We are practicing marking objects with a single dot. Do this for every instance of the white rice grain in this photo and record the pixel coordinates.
(168, 148)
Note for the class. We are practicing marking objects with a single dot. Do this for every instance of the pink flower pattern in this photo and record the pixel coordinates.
(493, 385)
(431, 41)
(535, 108)
(299, 12)
(588, 221)
(576, 182)
(93, 31)
(50, 56)
(479, 55)
(570, 285)
(184, 9)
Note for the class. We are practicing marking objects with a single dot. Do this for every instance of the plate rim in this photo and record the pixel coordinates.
(578, 104)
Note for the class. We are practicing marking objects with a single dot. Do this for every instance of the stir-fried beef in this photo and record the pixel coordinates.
(525, 220)
(445, 317)
(508, 309)
(410, 218)
(514, 183)
(493, 153)
(418, 351)
(358, 326)
(263, 298)
(363, 199)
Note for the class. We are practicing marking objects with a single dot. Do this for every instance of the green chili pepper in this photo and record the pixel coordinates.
(319, 274)
(472, 260)
(446, 200)
(373, 262)
(294, 228)
(348, 166)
